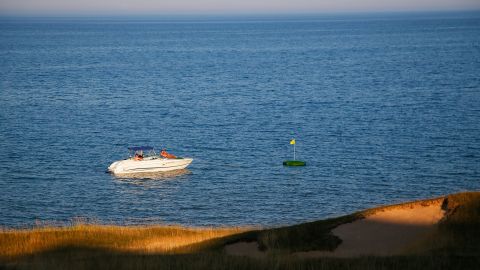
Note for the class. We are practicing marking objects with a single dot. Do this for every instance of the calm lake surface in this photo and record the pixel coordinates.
(384, 109)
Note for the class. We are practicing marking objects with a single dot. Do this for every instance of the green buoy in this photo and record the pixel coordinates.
(294, 162)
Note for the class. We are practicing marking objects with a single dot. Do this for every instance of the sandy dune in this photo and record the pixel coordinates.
(388, 231)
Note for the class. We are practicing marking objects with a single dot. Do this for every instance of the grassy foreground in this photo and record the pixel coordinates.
(454, 245)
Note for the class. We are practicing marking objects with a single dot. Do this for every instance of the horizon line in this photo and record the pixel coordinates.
(236, 14)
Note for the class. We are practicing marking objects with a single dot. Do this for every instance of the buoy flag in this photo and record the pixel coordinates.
(292, 141)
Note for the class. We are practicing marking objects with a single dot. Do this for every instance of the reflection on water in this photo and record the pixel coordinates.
(141, 186)
(153, 175)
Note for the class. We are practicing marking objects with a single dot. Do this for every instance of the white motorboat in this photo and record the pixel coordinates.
(148, 163)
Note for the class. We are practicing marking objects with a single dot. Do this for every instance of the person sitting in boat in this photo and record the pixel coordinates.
(165, 154)
(138, 156)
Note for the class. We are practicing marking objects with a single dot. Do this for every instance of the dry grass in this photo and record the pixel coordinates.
(144, 239)
(454, 246)
(459, 232)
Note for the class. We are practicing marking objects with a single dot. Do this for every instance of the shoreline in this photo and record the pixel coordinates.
(151, 222)
(414, 228)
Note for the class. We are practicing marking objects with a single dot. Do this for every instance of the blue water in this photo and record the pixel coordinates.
(384, 109)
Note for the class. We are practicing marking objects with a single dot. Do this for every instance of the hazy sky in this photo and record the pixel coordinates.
(225, 6)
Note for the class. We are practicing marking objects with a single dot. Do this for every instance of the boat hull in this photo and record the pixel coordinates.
(130, 166)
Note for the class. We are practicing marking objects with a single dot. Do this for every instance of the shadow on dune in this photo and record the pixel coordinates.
(452, 244)
(81, 258)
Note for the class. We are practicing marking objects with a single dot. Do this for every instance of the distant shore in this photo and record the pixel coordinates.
(409, 233)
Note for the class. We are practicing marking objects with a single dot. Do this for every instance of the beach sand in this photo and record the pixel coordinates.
(386, 231)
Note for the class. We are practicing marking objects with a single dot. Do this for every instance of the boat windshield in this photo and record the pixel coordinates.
(140, 152)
